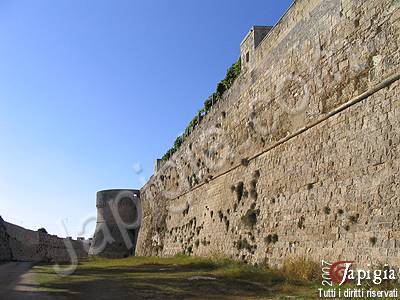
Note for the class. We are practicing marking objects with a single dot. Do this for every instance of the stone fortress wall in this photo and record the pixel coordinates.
(301, 157)
(5, 250)
(20, 244)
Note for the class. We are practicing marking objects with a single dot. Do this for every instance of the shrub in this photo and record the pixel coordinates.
(239, 190)
(226, 224)
(300, 223)
(271, 238)
(244, 162)
(253, 194)
(354, 218)
(208, 104)
(221, 88)
(301, 269)
(250, 218)
(178, 142)
(256, 174)
(167, 155)
(253, 183)
(220, 215)
(274, 238)
(268, 239)
(243, 244)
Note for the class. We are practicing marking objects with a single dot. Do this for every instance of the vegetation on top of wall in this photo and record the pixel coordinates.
(232, 73)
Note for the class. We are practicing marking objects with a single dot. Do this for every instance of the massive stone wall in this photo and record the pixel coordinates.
(301, 157)
(29, 245)
(5, 251)
(23, 243)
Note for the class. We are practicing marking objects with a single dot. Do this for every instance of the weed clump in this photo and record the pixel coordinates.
(253, 194)
(271, 238)
(354, 218)
(250, 218)
(300, 223)
(244, 162)
(239, 190)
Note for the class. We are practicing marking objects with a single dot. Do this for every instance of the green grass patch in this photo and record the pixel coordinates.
(178, 277)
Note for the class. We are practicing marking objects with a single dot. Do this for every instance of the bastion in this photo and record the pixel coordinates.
(118, 221)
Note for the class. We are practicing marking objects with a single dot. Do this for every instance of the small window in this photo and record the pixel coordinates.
(247, 57)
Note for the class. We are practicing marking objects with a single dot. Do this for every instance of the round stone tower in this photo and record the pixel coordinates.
(118, 223)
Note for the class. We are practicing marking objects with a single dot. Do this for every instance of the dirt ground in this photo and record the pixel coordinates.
(169, 278)
(18, 283)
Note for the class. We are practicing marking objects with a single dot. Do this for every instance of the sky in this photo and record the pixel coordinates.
(92, 92)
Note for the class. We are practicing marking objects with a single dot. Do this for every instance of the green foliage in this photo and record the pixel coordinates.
(168, 154)
(178, 142)
(221, 88)
(230, 77)
(208, 104)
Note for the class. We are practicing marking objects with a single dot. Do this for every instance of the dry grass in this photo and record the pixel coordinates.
(301, 269)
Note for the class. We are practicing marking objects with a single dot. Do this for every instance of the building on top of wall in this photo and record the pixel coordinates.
(249, 45)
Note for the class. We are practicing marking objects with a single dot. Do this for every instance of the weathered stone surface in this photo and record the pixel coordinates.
(116, 231)
(29, 245)
(5, 251)
(293, 161)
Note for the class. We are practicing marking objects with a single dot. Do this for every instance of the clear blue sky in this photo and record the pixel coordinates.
(90, 90)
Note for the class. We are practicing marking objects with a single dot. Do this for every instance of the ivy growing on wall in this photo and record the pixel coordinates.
(232, 73)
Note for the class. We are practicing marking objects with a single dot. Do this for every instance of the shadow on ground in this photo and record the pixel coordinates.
(152, 282)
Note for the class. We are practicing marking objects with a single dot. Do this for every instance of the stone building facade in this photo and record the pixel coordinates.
(301, 156)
